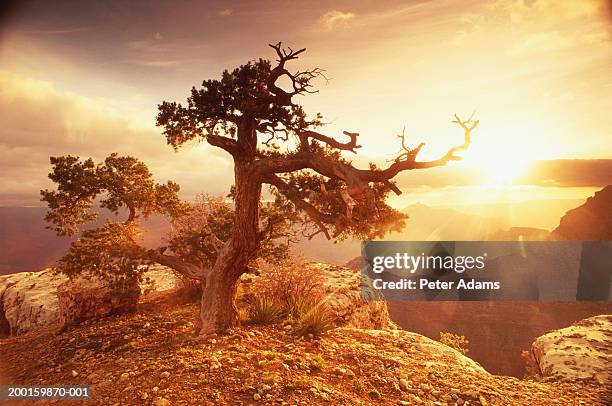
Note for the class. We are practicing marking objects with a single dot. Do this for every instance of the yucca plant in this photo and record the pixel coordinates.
(298, 306)
(316, 321)
(265, 310)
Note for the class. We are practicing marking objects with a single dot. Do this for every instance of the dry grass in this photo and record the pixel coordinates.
(455, 341)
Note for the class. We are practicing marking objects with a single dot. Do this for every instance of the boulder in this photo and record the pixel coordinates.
(582, 351)
(29, 300)
(352, 300)
(83, 299)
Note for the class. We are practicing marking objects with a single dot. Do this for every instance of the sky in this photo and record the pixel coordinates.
(84, 78)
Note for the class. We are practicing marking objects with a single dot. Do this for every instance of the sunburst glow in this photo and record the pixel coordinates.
(499, 165)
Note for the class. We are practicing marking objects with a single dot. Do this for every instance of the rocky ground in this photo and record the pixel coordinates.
(152, 358)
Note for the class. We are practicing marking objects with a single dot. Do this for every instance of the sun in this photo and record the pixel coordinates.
(499, 164)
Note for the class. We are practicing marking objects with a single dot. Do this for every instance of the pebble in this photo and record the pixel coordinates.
(74, 373)
(472, 394)
(374, 394)
(404, 385)
(164, 375)
(124, 376)
(161, 402)
(257, 396)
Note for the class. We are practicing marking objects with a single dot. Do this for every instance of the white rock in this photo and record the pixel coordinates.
(29, 299)
(581, 351)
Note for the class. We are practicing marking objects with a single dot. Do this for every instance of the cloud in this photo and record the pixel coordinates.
(158, 36)
(226, 12)
(332, 18)
(38, 121)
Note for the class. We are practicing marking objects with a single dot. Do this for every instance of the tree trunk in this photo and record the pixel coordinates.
(218, 310)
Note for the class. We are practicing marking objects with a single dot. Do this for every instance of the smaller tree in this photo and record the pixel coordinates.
(112, 251)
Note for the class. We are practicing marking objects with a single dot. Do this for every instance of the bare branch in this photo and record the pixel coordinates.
(300, 81)
(283, 54)
(346, 146)
(357, 179)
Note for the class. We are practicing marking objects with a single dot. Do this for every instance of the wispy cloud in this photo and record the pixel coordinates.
(159, 63)
(54, 31)
(39, 121)
(332, 18)
(226, 12)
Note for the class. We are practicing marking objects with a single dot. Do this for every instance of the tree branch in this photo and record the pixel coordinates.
(180, 266)
(357, 179)
(345, 146)
(293, 196)
(222, 142)
(300, 80)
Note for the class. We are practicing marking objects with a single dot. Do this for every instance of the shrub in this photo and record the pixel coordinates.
(455, 341)
(532, 370)
(265, 310)
(289, 282)
(316, 321)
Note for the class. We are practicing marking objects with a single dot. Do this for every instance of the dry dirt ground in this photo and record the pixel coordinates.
(152, 358)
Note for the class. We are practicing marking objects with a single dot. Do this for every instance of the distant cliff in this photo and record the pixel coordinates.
(591, 221)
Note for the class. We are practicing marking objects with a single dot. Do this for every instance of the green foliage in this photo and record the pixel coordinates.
(265, 310)
(118, 182)
(219, 105)
(371, 217)
(455, 341)
(292, 291)
(111, 251)
(298, 306)
(194, 235)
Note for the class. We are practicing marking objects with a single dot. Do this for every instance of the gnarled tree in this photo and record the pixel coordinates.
(272, 142)
(113, 252)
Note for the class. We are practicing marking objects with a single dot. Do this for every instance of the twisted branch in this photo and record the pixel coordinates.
(300, 81)
(318, 218)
